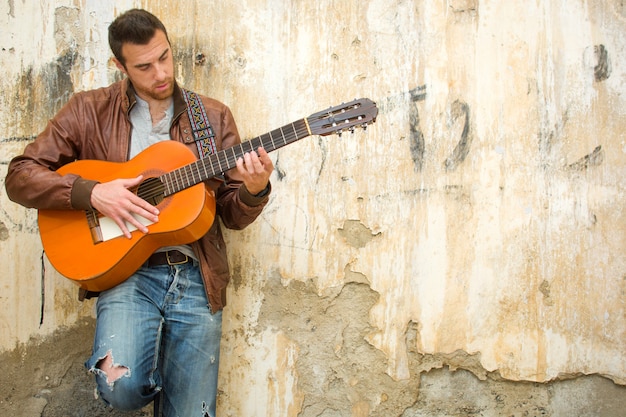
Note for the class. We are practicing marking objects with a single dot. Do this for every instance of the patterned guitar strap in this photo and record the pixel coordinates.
(202, 131)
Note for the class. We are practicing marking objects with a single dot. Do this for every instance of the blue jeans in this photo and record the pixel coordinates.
(158, 326)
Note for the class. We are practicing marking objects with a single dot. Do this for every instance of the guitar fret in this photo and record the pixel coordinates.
(294, 130)
(183, 177)
(179, 180)
(171, 182)
(224, 162)
(234, 154)
(196, 173)
(206, 174)
(192, 172)
(219, 163)
(272, 140)
(191, 178)
(165, 182)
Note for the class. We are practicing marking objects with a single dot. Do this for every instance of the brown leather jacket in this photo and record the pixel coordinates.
(96, 125)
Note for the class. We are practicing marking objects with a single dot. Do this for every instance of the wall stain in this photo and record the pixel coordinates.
(356, 233)
(544, 289)
(4, 231)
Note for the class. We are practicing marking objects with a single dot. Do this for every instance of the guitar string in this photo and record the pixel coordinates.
(165, 181)
(178, 182)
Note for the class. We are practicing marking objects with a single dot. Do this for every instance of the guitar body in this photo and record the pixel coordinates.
(184, 218)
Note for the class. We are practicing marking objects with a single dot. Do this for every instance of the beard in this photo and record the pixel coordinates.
(154, 93)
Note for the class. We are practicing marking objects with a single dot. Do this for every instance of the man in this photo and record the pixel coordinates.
(158, 332)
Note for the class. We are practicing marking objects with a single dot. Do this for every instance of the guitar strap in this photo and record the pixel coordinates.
(202, 131)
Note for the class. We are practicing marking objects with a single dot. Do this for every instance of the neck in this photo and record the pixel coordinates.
(158, 108)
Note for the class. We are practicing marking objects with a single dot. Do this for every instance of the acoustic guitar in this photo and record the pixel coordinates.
(89, 248)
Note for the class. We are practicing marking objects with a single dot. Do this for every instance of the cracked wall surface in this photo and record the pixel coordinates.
(477, 226)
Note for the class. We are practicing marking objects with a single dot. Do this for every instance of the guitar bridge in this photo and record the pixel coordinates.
(93, 221)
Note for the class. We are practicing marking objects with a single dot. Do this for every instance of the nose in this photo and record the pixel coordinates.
(160, 72)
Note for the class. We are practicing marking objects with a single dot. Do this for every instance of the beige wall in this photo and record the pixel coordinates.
(480, 222)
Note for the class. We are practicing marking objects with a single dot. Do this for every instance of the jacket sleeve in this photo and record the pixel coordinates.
(32, 180)
(236, 206)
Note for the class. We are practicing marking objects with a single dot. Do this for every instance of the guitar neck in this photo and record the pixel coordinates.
(217, 163)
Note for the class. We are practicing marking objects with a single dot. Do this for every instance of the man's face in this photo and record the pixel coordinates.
(150, 67)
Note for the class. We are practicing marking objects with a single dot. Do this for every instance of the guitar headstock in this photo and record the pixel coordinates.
(344, 117)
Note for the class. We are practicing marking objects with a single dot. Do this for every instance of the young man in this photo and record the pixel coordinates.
(158, 332)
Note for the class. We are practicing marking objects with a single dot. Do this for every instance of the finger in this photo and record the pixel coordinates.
(129, 182)
(262, 153)
(251, 160)
(265, 160)
(258, 163)
(143, 208)
(130, 219)
(241, 168)
(247, 167)
(122, 225)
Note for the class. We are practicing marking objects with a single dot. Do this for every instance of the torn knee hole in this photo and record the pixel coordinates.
(112, 370)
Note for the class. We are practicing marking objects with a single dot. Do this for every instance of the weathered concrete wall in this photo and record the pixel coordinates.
(479, 224)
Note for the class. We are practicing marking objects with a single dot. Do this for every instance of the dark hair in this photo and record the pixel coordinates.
(135, 26)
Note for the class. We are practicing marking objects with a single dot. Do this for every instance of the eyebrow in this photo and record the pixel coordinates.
(165, 52)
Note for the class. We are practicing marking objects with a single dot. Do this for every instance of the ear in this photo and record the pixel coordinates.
(120, 66)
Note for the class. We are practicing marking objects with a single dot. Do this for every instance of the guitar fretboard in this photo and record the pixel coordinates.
(213, 165)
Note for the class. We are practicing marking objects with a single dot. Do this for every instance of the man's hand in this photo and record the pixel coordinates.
(255, 169)
(114, 200)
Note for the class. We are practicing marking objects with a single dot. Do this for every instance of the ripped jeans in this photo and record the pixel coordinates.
(158, 327)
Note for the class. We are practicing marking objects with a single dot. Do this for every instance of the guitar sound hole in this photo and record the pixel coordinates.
(152, 190)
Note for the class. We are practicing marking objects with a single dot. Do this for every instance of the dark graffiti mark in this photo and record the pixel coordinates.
(417, 144)
(5, 159)
(595, 158)
(324, 149)
(602, 69)
(280, 172)
(18, 139)
(43, 288)
(459, 111)
(58, 78)
(418, 93)
(26, 221)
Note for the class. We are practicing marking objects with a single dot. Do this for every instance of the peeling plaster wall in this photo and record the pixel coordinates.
(479, 224)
